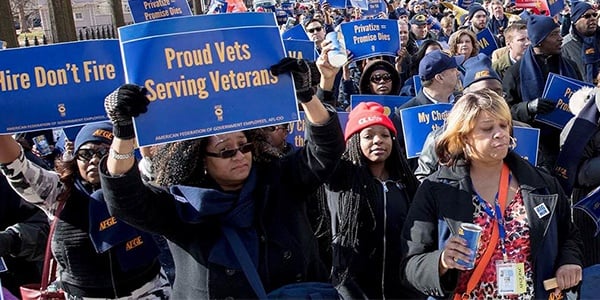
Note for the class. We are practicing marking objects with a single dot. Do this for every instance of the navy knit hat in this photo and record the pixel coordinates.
(478, 68)
(436, 62)
(539, 27)
(475, 7)
(95, 132)
(400, 11)
(579, 8)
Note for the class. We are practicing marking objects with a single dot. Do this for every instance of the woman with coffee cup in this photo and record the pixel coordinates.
(527, 235)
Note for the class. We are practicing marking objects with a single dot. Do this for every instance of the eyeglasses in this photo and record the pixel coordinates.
(377, 78)
(245, 148)
(274, 128)
(590, 15)
(88, 154)
(311, 30)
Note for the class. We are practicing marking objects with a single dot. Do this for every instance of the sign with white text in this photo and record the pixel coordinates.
(418, 122)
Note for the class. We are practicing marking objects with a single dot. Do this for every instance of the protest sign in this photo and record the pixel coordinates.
(591, 206)
(389, 103)
(295, 33)
(418, 122)
(528, 140)
(367, 38)
(487, 42)
(207, 75)
(57, 85)
(143, 10)
(300, 49)
(375, 7)
(559, 89)
(417, 84)
(296, 131)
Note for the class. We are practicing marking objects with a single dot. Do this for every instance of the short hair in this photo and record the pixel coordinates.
(446, 21)
(402, 22)
(496, 2)
(455, 37)
(451, 145)
(512, 29)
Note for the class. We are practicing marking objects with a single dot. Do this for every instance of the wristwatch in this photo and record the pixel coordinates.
(118, 156)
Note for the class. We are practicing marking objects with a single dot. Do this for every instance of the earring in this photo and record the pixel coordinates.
(513, 143)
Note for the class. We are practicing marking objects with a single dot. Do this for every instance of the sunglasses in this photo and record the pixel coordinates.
(590, 15)
(317, 29)
(88, 154)
(229, 153)
(377, 78)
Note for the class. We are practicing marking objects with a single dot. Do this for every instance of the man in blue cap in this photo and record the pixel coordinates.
(524, 82)
(581, 44)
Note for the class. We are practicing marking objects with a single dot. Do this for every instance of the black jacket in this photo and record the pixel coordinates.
(444, 200)
(287, 251)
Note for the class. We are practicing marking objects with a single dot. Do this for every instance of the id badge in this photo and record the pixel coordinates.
(510, 277)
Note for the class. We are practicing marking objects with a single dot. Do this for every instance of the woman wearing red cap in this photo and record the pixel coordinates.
(368, 197)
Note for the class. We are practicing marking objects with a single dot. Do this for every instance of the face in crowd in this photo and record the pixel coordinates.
(552, 43)
(403, 33)
(381, 82)
(420, 31)
(518, 43)
(376, 143)
(88, 157)
(316, 32)
(464, 46)
(228, 159)
(588, 23)
(479, 20)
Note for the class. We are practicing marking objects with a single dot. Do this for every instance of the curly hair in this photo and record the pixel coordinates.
(455, 38)
(67, 171)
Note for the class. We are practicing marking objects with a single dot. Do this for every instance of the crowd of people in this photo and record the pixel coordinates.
(392, 225)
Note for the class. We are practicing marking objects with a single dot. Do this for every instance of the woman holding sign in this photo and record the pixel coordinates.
(526, 231)
(368, 197)
(214, 190)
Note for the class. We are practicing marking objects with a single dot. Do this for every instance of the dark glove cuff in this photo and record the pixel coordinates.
(305, 96)
(324, 96)
(124, 130)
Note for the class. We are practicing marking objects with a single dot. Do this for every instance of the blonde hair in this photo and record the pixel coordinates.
(455, 37)
(451, 144)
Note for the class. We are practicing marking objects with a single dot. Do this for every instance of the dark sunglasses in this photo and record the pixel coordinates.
(377, 78)
(245, 148)
(590, 15)
(88, 154)
(317, 29)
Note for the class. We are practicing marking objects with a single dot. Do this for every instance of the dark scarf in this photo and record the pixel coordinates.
(196, 205)
(133, 248)
(533, 79)
(584, 127)
(496, 24)
(590, 54)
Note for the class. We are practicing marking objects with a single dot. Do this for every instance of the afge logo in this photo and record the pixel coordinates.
(369, 119)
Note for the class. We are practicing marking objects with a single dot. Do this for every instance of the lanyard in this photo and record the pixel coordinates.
(500, 198)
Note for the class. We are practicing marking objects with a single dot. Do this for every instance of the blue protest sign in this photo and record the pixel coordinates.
(367, 38)
(375, 7)
(528, 140)
(143, 10)
(389, 103)
(362, 4)
(417, 83)
(339, 3)
(591, 206)
(487, 42)
(57, 85)
(559, 89)
(288, 7)
(208, 75)
(418, 122)
(296, 133)
(300, 49)
(295, 33)
(555, 6)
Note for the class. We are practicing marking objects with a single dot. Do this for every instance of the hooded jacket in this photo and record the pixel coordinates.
(364, 82)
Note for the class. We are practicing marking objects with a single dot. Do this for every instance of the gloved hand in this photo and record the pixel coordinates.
(540, 106)
(127, 101)
(305, 74)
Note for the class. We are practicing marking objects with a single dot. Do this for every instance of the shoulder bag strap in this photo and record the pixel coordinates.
(49, 271)
(487, 255)
(245, 261)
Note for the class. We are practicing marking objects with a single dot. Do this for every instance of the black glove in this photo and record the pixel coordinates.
(126, 102)
(7, 242)
(305, 73)
(540, 106)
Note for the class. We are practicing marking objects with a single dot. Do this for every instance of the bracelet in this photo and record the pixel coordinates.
(118, 156)
(442, 260)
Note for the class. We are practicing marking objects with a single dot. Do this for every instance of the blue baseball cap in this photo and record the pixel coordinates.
(436, 62)
(478, 68)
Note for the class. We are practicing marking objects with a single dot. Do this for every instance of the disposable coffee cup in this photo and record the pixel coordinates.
(42, 145)
(337, 55)
(471, 233)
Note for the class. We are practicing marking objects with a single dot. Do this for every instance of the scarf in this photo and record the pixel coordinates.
(590, 53)
(133, 248)
(583, 129)
(197, 205)
(533, 78)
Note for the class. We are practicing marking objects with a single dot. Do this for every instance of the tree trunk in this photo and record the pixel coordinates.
(199, 7)
(7, 28)
(23, 21)
(117, 13)
(61, 20)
